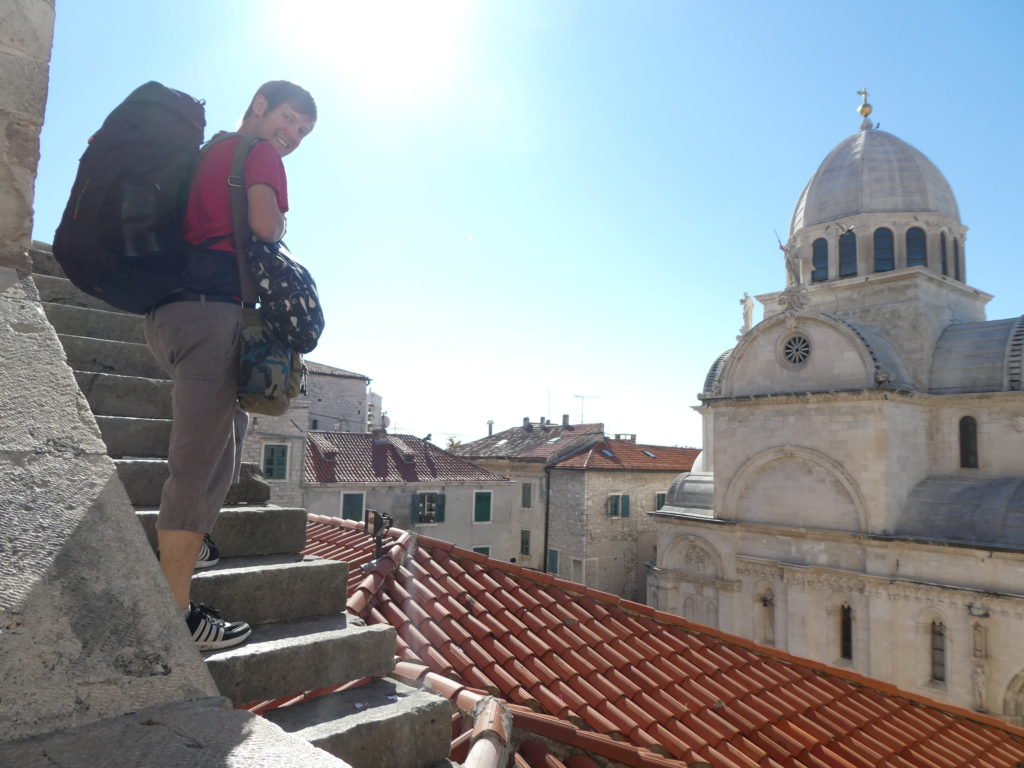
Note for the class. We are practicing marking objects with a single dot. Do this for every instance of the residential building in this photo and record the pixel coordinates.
(860, 497)
(422, 487)
(601, 532)
(335, 400)
(524, 455)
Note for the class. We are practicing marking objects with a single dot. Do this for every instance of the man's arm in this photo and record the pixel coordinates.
(265, 219)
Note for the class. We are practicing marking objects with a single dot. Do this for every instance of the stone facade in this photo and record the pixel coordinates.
(499, 536)
(859, 496)
(593, 547)
(271, 436)
(63, 508)
(338, 400)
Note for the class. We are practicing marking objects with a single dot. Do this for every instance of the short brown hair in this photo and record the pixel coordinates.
(278, 92)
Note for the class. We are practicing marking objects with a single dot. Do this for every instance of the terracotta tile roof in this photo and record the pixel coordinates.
(531, 442)
(320, 369)
(591, 674)
(627, 455)
(352, 457)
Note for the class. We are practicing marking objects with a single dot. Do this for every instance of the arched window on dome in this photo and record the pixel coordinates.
(942, 253)
(819, 260)
(956, 258)
(885, 258)
(917, 248)
(848, 255)
(968, 442)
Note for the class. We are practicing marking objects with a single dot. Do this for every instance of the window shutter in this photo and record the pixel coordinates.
(625, 505)
(613, 506)
(439, 512)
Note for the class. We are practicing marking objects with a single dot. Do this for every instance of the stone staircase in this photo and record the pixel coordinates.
(302, 639)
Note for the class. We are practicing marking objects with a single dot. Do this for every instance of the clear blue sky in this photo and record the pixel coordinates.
(508, 204)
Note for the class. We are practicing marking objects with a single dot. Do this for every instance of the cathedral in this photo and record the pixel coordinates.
(860, 497)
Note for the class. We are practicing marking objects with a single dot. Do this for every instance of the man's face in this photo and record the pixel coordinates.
(283, 126)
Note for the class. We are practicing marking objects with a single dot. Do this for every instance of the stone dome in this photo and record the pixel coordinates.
(873, 172)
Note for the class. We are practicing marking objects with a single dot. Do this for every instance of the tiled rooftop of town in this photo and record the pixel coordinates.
(628, 455)
(352, 457)
(589, 676)
(533, 441)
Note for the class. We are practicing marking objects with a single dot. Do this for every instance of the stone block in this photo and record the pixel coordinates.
(26, 30)
(282, 659)
(201, 734)
(383, 724)
(273, 588)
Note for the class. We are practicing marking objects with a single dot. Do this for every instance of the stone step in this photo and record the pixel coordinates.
(383, 724)
(144, 479)
(95, 323)
(105, 356)
(112, 395)
(269, 588)
(43, 261)
(283, 659)
(142, 438)
(60, 290)
(245, 531)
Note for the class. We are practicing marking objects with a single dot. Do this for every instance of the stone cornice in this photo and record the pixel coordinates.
(847, 395)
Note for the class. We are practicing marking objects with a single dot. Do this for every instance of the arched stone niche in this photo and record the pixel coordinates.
(797, 487)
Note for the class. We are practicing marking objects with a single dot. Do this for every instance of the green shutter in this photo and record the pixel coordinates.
(625, 505)
(275, 462)
(613, 506)
(439, 512)
(352, 506)
(552, 561)
(527, 495)
(659, 500)
(482, 507)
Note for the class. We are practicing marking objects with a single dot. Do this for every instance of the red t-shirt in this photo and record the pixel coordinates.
(208, 213)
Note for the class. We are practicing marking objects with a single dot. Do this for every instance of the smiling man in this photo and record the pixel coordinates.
(194, 334)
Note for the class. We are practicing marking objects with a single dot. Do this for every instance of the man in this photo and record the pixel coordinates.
(194, 334)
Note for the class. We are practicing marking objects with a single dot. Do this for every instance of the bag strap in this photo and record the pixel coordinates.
(240, 216)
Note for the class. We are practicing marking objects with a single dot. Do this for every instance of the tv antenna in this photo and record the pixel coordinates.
(583, 399)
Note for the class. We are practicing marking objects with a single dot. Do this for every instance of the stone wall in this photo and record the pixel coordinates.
(604, 552)
(287, 430)
(337, 403)
(88, 628)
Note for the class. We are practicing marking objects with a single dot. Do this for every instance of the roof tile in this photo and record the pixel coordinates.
(355, 457)
(655, 682)
(626, 455)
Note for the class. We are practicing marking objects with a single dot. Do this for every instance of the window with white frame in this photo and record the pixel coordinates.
(481, 506)
(428, 507)
(275, 462)
(618, 505)
(352, 506)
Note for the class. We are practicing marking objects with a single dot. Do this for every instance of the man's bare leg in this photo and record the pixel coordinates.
(178, 553)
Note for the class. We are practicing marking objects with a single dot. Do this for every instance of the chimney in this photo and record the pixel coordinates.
(380, 436)
(490, 427)
(565, 419)
(527, 426)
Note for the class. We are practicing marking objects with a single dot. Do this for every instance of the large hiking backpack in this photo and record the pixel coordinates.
(119, 238)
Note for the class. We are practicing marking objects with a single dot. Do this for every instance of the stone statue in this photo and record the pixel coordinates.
(978, 687)
(748, 312)
(792, 264)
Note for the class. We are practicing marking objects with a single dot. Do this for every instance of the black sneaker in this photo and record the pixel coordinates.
(208, 553)
(211, 632)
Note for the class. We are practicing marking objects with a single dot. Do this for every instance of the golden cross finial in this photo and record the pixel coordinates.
(864, 109)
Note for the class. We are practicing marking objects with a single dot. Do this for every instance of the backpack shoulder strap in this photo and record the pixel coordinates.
(239, 214)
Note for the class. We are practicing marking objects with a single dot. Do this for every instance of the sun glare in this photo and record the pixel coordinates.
(390, 49)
